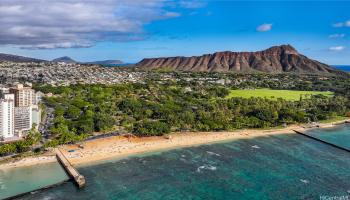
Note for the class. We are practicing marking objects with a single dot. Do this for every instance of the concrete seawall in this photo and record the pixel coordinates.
(71, 171)
(322, 141)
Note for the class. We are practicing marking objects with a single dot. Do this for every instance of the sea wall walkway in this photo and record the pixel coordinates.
(301, 132)
(71, 171)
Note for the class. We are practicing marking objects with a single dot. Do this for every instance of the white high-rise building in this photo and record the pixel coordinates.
(36, 115)
(22, 119)
(18, 111)
(7, 116)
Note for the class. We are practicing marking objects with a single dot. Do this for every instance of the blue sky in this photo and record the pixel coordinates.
(317, 29)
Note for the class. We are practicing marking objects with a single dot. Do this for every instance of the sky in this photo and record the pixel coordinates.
(130, 30)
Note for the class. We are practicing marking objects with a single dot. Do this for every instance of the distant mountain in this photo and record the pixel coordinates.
(106, 62)
(15, 58)
(64, 59)
(67, 59)
(276, 59)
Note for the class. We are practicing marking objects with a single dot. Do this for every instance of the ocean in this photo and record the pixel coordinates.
(343, 67)
(288, 166)
(339, 135)
(25, 179)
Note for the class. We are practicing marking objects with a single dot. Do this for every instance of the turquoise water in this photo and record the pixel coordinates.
(25, 179)
(339, 135)
(275, 167)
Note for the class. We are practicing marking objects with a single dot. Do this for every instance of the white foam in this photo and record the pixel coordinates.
(2, 185)
(213, 153)
(255, 147)
(304, 181)
(48, 197)
(206, 167)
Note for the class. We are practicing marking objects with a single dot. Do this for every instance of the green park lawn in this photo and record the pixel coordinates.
(291, 95)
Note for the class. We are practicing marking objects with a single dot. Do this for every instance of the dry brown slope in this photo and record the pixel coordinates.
(276, 59)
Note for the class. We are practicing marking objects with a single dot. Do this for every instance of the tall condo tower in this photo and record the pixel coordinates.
(7, 117)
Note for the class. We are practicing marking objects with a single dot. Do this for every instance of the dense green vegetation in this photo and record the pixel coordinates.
(32, 138)
(291, 95)
(155, 108)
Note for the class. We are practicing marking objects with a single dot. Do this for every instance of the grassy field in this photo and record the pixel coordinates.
(292, 95)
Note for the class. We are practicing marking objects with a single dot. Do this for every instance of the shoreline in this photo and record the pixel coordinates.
(118, 147)
(28, 161)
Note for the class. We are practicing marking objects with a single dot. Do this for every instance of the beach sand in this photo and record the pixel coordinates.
(118, 146)
(121, 146)
(28, 161)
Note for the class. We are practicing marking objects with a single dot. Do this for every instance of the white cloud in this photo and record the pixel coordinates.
(338, 25)
(264, 27)
(337, 35)
(337, 48)
(192, 4)
(172, 14)
(342, 24)
(76, 23)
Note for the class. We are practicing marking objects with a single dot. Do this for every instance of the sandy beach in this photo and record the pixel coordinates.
(29, 161)
(121, 146)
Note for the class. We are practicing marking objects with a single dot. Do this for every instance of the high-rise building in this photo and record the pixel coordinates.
(22, 119)
(18, 111)
(24, 96)
(7, 117)
(36, 115)
(3, 91)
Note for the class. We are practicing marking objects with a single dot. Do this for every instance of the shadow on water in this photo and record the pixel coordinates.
(287, 166)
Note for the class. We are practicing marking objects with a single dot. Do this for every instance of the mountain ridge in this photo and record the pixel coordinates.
(16, 58)
(276, 59)
(64, 59)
